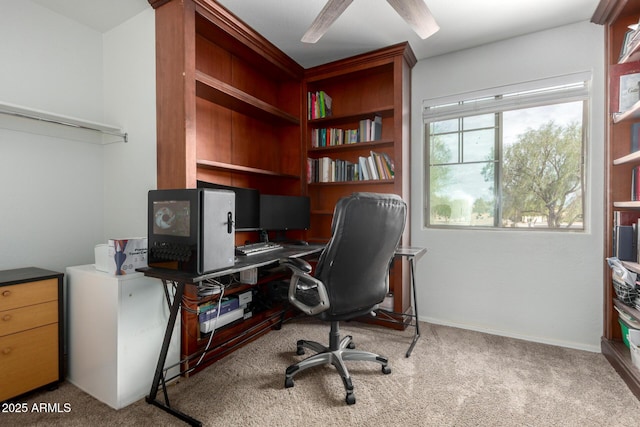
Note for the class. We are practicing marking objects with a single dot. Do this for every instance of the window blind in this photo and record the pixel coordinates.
(567, 88)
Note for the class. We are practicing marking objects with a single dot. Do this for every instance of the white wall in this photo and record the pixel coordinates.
(130, 101)
(60, 196)
(539, 286)
(51, 187)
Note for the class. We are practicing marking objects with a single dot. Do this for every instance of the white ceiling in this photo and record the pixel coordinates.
(364, 26)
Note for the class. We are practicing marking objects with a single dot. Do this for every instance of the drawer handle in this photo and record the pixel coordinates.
(6, 293)
(6, 317)
(6, 350)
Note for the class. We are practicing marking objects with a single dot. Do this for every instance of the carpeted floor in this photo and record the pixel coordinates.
(453, 378)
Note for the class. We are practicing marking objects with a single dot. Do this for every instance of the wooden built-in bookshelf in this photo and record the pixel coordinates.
(361, 87)
(232, 110)
(617, 16)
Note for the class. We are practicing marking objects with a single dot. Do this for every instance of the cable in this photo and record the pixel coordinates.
(213, 330)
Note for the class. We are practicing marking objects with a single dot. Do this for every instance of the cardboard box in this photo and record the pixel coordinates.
(125, 255)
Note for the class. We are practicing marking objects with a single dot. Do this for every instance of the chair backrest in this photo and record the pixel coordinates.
(354, 266)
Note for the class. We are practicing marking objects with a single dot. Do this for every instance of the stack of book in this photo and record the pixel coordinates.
(376, 166)
(368, 130)
(318, 105)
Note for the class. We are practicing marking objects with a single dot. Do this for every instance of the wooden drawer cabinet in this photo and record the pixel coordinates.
(31, 339)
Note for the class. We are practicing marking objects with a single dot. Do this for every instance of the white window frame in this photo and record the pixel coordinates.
(559, 89)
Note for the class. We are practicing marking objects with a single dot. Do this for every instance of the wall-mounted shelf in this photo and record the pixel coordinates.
(634, 204)
(59, 119)
(242, 169)
(629, 158)
(631, 114)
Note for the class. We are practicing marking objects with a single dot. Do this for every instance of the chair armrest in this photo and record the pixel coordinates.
(301, 279)
(296, 264)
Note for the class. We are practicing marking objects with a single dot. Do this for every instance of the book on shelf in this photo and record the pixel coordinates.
(629, 91)
(368, 130)
(629, 50)
(635, 137)
(625, 242)
(376, 166)
(319, 105)
(625, 235)
(376, 129)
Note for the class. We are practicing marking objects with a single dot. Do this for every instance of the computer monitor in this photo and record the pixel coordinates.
(281, 213)
(247, 205)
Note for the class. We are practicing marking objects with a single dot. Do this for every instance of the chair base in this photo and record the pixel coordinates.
(338, 352)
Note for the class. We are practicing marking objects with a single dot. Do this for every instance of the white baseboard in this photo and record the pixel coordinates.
(511, 334)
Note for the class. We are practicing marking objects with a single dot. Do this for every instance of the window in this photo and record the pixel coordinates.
(512, 157)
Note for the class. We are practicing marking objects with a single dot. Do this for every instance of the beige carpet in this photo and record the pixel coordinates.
(453, 378)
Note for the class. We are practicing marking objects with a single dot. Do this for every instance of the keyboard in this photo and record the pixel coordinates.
(256, 248)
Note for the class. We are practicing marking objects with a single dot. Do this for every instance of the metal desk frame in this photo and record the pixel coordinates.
(180, 279)
(413, 254)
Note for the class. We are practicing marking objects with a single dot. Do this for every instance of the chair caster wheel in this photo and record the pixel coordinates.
(350, 399)
(300, 351)
(351, 345)
(288, 382)
(386, 370)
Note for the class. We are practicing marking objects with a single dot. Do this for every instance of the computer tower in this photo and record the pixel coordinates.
(191, 229)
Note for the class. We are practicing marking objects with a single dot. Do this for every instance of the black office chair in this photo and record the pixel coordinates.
(350, 280)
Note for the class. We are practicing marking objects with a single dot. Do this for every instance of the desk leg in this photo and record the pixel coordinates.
(416, 334)
(159, 374)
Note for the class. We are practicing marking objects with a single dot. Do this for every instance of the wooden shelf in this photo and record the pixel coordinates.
(629, 158)
(631, 311)
(229, 103)
(361, 182)
(230, 97)
(384, 111)
(620, 358)
(635, 267)
(243, 169)
(632, 114)
(355, 146)
(630, 204)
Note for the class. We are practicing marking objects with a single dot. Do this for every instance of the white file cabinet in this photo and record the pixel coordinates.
(116, 326)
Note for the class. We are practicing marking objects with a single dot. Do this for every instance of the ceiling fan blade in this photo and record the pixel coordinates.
(417, 15)
(325, 18)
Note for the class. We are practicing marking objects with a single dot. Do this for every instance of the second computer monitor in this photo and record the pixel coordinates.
(280, 213)
(247, 205)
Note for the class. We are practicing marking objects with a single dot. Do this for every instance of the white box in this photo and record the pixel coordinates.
(125, 255)
(249, 277)
(101, 253)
